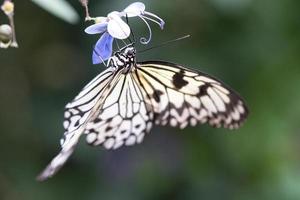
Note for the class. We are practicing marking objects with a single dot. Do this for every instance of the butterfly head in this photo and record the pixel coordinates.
(127, 51)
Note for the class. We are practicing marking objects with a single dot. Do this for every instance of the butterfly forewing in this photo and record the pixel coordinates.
(77, 114)
(78, 110)
(182, 96)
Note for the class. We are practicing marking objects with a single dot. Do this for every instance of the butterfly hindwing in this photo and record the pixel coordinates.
(182, 96)
(124, 118)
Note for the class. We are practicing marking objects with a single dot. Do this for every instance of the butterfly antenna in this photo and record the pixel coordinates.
(132, 35)
(118, 45)
(127, 21)
(165, 43)
(99, 57)
(131, 32)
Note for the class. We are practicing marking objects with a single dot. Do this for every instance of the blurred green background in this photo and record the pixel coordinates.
(252, 45)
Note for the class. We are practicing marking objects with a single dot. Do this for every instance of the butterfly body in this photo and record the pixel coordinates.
(123, 60)
(121, 105)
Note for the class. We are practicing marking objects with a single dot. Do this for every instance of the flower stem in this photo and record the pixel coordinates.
(85, 3)
(8, 9)
(14, 42)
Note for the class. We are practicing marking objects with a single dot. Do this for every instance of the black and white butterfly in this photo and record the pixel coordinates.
(121, 105)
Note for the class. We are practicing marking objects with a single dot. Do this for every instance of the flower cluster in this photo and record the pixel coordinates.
(113, 26)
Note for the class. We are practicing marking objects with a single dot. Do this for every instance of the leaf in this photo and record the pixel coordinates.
(60, 8)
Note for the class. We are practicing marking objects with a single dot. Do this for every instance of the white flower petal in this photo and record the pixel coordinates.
(96, 28)
(154, 18)
(114, 14)
(134, 9)
(117, 27)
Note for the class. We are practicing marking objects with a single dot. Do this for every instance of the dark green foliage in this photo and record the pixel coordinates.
(251, 45)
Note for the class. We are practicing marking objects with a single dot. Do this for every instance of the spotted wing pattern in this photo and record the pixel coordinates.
(124, 118)
(182, 96)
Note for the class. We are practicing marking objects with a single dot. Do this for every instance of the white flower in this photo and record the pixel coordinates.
(117, 28)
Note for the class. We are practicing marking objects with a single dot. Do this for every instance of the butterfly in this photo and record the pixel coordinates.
(121, 105)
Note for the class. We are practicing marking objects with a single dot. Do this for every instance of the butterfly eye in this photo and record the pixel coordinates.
(130, 52)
